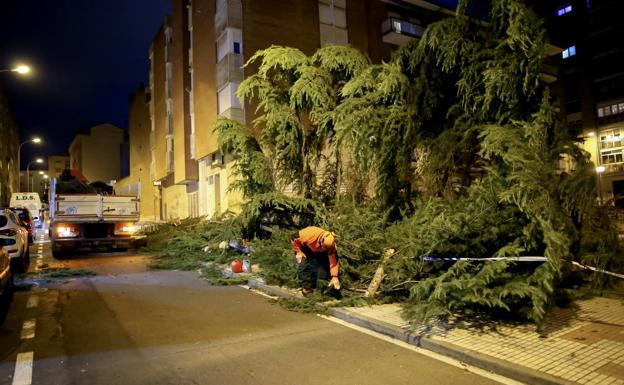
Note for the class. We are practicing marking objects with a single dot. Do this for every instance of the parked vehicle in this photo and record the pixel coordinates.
(6, 279)
(90, 221)
(27, 219)
(32, 202)
(17, 247)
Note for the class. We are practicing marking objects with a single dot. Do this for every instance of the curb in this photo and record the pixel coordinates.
(504, 368)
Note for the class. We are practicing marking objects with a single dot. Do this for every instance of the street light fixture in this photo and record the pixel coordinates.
(38, 160)
(20, 69)
(600, 170)
(19, 149)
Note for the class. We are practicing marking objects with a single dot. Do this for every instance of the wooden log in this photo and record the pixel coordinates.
(379, 274)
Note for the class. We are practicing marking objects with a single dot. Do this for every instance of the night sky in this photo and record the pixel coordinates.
(87, 57)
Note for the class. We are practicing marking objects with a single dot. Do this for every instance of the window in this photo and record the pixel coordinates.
(611, 156)
(610, 139)
(333, 22)
(226, 98)
(569, 52)
(563, 10)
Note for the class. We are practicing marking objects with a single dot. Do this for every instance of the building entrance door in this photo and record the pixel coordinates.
(618, 192)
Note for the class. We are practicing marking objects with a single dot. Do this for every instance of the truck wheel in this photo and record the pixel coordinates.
(58, 254)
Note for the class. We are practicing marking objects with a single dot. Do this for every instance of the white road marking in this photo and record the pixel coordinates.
(23, 369)
(33, 301)
(428, 353)
(28, 329)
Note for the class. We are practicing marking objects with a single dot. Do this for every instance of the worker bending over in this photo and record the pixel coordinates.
(314, 248)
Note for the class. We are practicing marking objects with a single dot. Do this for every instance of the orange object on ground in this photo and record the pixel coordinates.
(237, 266)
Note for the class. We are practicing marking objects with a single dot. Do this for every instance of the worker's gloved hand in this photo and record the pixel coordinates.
(299, 257)
(335, 282)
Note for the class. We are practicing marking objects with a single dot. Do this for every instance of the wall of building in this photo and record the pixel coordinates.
(139, 183)
(96, 154)
(204, 76)
(56, 165)
(9, 169)
(175, 202)
(185, 169)
(159, 100)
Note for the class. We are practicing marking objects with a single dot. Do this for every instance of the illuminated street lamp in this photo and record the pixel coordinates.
(38, 160)
(19, 149)
(21, 69)
(600, 170)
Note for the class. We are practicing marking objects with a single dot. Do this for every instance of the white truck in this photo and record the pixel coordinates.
(92, 221)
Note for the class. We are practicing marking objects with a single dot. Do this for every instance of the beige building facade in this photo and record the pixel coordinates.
(56, 165)
(139, 183)
(96, 152)
(9, 169)
(197, 61)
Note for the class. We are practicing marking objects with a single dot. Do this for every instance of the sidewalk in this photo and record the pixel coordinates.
(583, 344)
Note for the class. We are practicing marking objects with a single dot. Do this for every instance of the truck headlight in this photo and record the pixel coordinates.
(66, 231)
(125, 228)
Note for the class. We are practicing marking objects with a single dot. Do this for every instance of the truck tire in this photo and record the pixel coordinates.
(58, 254)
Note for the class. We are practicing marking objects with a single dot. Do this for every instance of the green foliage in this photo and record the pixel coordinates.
(296, 97)
(180, 245)
(252, 171)
(461, 142)
(65, 273)
(277, 209)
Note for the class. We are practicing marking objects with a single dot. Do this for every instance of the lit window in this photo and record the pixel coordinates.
(563, 10)
(600, 112)
(621, 107)
(614, 109)
(570, 51)
(607, 110)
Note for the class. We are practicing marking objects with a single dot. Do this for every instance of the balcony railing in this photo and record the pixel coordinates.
(230, 69)
(235, 114)
(400, 32)
(614, 168)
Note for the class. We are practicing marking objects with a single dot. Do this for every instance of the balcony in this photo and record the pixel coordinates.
(400, 32)
(548, 73)
(611, 169)
(230, 69)
(229, 15)
(235, 114)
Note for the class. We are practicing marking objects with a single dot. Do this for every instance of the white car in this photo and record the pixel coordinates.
(10, 227)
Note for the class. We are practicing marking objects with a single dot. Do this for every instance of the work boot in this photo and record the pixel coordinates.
(306, 292)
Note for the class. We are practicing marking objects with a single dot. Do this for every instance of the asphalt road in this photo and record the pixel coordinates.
(130, 325)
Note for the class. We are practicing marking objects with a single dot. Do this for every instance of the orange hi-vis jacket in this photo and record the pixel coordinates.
(311, 237)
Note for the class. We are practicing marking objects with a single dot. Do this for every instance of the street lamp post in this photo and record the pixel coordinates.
(38, 160)
(20, 70)
(19, 166)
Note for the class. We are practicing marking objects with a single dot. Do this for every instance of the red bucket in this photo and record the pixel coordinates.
(237, 266)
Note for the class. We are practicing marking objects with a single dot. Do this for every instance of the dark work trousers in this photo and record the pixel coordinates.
(308, 269)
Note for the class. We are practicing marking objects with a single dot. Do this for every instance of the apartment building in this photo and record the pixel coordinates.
(96, 152)
(138, 182)
(9, 169)
(591, 72)
(56, 165)
(197, 62)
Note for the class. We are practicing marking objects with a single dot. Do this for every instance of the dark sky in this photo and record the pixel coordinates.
(87, 56)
